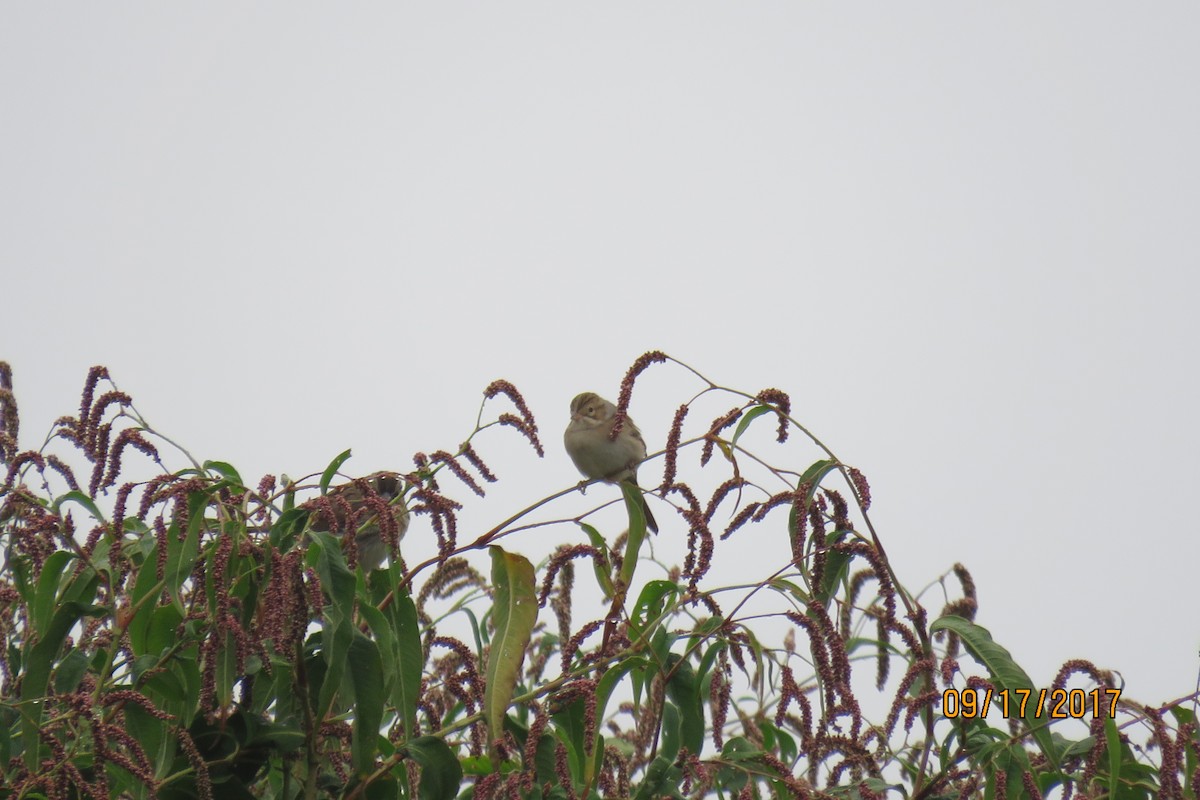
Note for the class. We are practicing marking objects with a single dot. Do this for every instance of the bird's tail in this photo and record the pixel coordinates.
(651, 523)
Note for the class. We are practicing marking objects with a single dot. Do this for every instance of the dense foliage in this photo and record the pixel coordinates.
(192, 635)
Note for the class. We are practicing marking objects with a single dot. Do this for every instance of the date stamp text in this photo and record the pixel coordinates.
(1050, 703)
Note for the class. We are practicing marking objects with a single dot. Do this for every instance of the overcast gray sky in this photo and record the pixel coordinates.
(963, 236)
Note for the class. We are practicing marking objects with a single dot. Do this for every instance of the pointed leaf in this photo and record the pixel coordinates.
(145, 585)
(746, 419)
(812, 477)
(70, 671)
(603, 575)
(181, 559)
(337, 631)
(672, 738)
(513, 615)
(162, 632)
(225, 470)
(815, 473)
(46, 597)
(400, 648)
(685, 691)
(637, 532)
(331, 470)
(409, 657)
(611, 679)
(837, 565)
(1005, 673)
(37, 669)
(366, 672)
(441, 773)
(83, 500)
(650, 606)
(1112, 741)
(661, 777)
(287, 527)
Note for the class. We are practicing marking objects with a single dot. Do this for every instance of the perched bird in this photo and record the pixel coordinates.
(595, 454)
(330, 514)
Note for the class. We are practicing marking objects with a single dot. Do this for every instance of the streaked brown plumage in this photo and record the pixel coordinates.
(371, 547)
(595, 454)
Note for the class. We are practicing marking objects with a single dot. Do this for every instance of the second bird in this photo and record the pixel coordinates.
(371, 547)
(595, 454)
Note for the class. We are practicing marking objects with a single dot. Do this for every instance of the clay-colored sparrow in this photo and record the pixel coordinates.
(595, 454)
(371, 547)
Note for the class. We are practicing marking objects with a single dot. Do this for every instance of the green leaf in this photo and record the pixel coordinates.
(791, 589)
(813, 476)
(603, 571)
(287, 528)
(780, 741)
(685, 691)
(157, 741)
(1006, 674)
(182, 555)
(662, 780)
(227, 671)
(837, 564)
(568, 722)
(650, 607)
(1185, 716)
(385, 788)
(38, 667)
(164, 622)
(380, 625)
(289, 493)
(176, 689)
(739, 748)
(331, 470)
(366, 672)
(46, 597)
(477, 632)
(637, 531)
(19, 567)
(513, 615)
(746, 419)
(611, 679)
(660, 648)
(83, 500)
(145, 585)
(225, 470)
(8, 718)
(70, 671)
(709, 658)
(544, 760)
(337, 632)
(81, 588)
(671, 727)
(1012, 759)
(476, 765)
(410, 658)
(584, 756)
(441, 774)
(1112, 740)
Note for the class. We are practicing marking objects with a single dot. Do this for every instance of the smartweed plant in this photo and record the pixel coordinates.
(170, 630)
